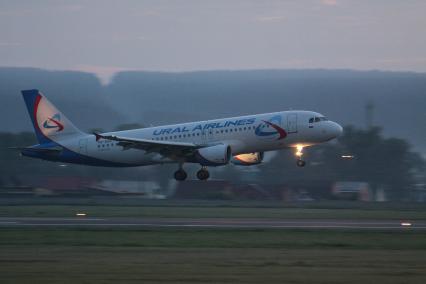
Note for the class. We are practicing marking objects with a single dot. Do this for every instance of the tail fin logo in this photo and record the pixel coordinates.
(54, 123)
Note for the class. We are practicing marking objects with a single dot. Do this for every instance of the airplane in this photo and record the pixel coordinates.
(239, 140)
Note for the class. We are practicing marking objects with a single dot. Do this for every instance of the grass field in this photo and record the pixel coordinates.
(192, 255)
(211, 256)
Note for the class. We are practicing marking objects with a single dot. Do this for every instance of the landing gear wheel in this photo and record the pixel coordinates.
(300, 163)
(180, 175)
(203, 174)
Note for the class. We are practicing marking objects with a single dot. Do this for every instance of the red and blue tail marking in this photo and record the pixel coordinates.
(32, 99)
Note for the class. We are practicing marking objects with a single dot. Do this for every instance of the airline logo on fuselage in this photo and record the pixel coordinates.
(201, 127)
(54, 123)
(271, 128)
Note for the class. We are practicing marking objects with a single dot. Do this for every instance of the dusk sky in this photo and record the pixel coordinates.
(109, 36)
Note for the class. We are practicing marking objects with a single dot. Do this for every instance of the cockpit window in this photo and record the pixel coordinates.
(317, 119)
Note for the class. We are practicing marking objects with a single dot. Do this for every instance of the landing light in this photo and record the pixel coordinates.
(80, 214)
(299, 150)
(348, 157)
(406, 224)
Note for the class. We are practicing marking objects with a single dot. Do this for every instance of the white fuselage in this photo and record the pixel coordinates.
(244, 134)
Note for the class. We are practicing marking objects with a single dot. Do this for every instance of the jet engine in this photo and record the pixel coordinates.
(217, 155)
(248, 159)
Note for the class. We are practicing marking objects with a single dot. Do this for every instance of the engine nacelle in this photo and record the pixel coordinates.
(248, 159)
(217, 155)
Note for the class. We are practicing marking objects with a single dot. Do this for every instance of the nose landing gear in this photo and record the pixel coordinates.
(300, 162)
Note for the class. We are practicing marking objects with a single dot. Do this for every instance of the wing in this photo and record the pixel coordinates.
(168, 149)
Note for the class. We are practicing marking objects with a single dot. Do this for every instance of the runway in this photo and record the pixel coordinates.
(218, 223)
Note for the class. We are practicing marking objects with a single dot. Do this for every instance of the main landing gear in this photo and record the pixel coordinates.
(181, 175)
(299, 154)
(203, 174)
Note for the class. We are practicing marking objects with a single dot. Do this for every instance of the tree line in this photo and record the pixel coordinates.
(358, 155)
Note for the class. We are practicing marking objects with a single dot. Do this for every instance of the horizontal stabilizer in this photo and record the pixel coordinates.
(37, 149)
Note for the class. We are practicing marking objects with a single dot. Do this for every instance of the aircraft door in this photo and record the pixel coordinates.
(292, 123)
(82, 145)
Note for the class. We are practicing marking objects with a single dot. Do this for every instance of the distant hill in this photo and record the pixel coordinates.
(79, 95)
(160, 98)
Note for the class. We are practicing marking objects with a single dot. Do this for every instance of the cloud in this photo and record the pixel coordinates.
(329, 2)
(60, 8)
(152, 13)
(6, 44)
(126, 37)
(398, 61)
(270, 19)
(70, 8)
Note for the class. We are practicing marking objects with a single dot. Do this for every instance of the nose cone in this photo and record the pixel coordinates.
(336, 129)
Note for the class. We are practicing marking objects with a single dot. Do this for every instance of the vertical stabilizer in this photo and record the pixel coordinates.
(49, 123)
